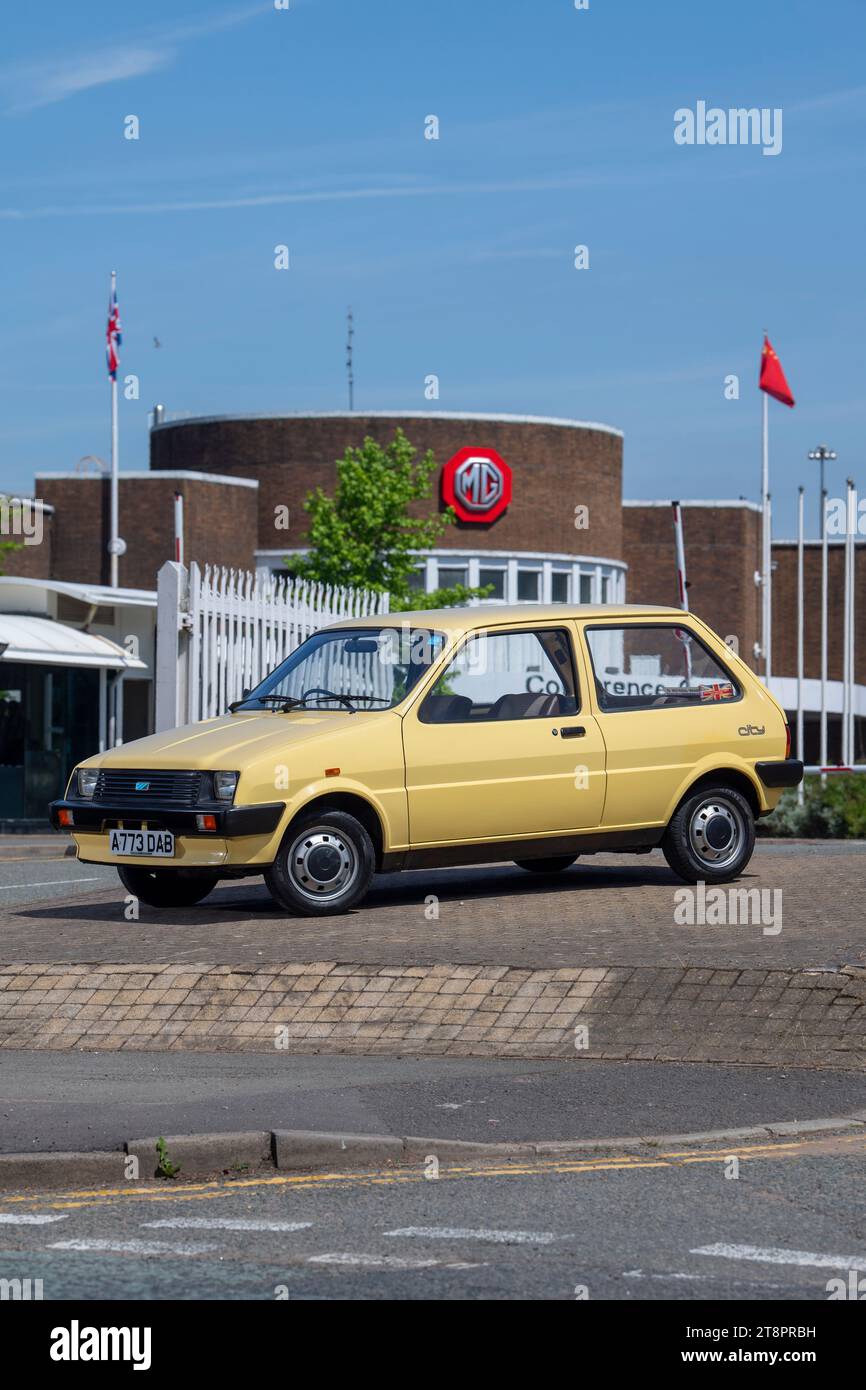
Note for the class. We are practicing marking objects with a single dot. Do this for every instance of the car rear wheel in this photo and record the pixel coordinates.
(711, 836)
(324, 865)
(166, 887)
(554, 864)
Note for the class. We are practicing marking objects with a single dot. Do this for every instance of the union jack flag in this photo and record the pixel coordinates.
(113, 337)
(717, 691)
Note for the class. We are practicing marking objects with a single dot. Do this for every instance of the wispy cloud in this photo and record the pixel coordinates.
(827, 100)
(42, 84)
(552, 184)
(26, 87)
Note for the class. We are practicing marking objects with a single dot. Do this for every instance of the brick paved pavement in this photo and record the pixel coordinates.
(757, 1016)
(511, 966)
(604, 911)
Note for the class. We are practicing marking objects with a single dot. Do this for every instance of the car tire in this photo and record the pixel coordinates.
(554, 864)
(166, 887)
(711, 836)
(324, 865)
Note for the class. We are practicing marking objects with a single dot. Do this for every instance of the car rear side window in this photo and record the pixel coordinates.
(503, 676)
(657, 666)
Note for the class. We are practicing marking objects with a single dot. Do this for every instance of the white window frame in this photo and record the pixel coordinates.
(538, 571)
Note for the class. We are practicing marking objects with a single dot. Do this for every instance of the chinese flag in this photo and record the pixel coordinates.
(772, 378)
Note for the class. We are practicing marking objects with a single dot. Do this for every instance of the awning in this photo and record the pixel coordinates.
(43, 642)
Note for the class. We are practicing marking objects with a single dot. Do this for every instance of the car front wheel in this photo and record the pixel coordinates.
(711, 836)
(166, 887)
(324, 865)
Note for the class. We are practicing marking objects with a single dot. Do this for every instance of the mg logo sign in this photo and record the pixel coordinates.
(477, 484)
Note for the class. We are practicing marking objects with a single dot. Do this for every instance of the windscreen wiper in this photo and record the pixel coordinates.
(284, 701)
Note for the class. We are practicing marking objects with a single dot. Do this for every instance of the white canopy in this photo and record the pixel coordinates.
(41, 641)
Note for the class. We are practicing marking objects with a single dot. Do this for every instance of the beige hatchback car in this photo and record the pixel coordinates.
(459, 736)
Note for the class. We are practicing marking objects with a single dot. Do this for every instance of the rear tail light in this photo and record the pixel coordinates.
(787, 739)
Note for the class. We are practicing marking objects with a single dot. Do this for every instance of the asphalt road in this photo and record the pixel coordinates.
(25, 879)
(605, 910)
(671, 1226)
(64, 1101)
(636, 1229)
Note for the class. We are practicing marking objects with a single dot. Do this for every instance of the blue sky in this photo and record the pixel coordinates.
(306, 127)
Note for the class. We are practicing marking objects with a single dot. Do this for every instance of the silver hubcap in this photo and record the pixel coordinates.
(717, 832)
(322, 863)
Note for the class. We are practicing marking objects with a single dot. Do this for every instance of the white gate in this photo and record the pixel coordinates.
(219, 632)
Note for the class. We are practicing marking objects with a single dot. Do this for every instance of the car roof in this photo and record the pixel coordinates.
(489, 615)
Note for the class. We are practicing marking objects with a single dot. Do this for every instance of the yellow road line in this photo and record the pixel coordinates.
(206, 1191)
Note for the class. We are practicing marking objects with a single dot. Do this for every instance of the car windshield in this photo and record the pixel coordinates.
(350, 669)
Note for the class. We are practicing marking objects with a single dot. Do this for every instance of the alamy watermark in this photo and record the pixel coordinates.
(739, 125)
(22, 517)
(846, 515)
(720, 907)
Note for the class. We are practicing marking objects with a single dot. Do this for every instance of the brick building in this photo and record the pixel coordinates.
(542, 520)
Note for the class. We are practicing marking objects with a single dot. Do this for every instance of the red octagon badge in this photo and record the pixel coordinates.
(477, 484)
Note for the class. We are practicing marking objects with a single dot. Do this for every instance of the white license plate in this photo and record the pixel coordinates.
(156, 843)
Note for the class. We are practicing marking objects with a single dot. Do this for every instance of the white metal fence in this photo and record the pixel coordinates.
(219, 632)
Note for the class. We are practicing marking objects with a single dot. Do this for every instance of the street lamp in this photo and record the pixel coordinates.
(822, 455)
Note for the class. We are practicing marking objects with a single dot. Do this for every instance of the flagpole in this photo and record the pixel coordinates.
(682, 585)
(848, 684)
(823, 747)
(114, 522)
(800, 644)
(765, 500)
(681, 557)
(844, 758)
(852, 638)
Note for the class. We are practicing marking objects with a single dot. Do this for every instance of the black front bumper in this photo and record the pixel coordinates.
(787, 773)
(231, 821)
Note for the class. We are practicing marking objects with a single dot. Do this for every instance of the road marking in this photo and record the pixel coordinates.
(50, 883)
(700, 1278)
(133, 1247)
(371, 1261)
(42, 1219)
(775, 1255)
(839, 1146)
(385, 1262)
(204, 1223)
(465, 1233)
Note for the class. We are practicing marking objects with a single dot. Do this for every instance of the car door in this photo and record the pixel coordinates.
(502, 745)
(662, 699)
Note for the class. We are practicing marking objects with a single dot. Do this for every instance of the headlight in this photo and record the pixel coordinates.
(224, 785)
(87, 777)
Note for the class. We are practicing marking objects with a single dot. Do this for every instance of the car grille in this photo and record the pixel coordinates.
(170, 788)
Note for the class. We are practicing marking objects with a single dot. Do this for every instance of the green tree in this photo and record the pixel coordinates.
(365, 535)
(6, 523)
(5, 548)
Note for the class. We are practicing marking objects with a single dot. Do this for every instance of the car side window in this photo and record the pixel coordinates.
(504, 676)
(661, 665)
